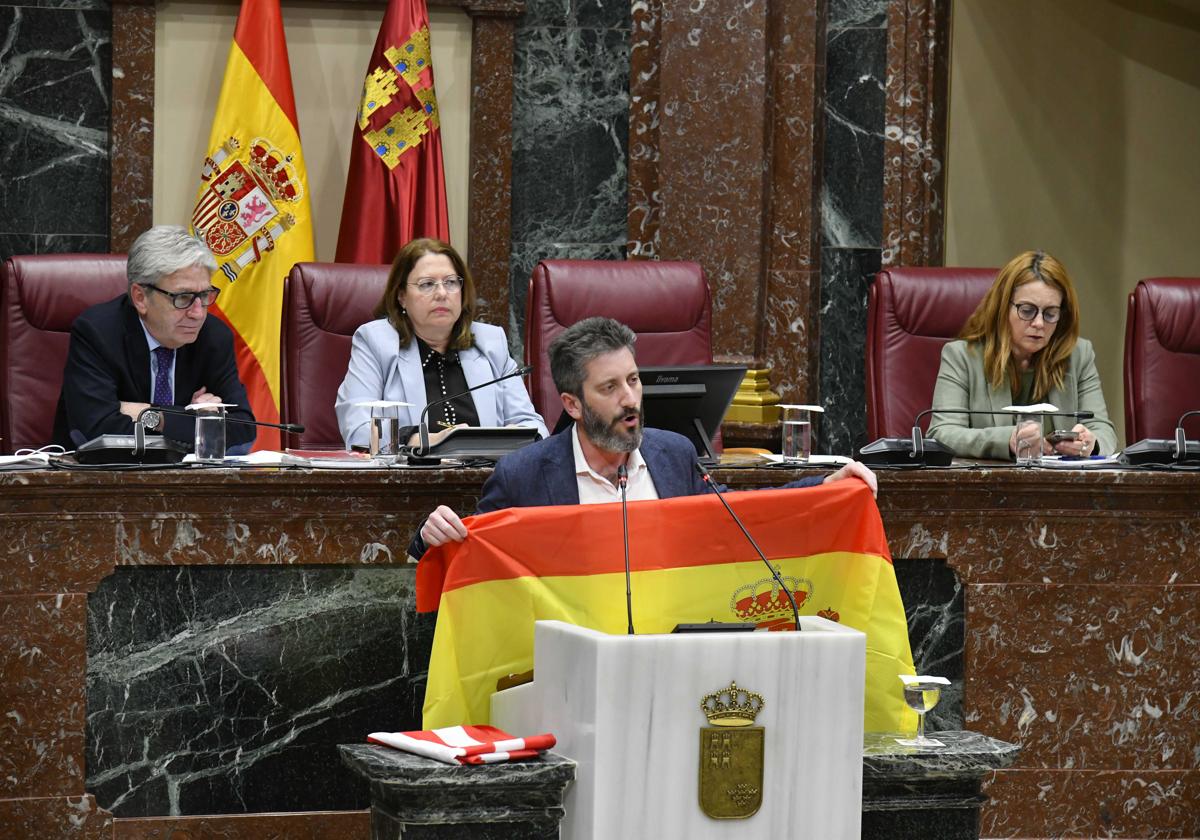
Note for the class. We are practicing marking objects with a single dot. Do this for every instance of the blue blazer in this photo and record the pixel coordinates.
(380, 369)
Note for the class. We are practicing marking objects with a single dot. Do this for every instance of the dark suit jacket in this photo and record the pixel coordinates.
(109, 363)
(543, 473)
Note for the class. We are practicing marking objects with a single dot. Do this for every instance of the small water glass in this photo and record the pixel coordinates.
(210, 436)
(1029, 449)
(385, 431)
(796, 446)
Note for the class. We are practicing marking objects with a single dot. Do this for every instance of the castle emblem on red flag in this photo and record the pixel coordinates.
(416, 113)
(243, 209)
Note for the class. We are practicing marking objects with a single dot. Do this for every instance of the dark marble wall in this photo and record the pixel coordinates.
(55, 90)
(227, 690)
(934, 608)
(851, 210)
(570, 138)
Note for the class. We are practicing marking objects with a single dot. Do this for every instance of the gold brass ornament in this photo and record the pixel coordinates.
(731, 754)
(754, 401)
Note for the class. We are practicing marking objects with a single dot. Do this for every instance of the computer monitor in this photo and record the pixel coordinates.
(691, 400)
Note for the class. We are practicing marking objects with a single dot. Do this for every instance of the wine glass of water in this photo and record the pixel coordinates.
(922, 693)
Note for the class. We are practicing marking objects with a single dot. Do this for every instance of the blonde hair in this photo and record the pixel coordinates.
(988, 327)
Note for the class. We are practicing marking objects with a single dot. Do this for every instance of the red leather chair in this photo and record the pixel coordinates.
(41, 297)
(667, 304)
(1162, 357)
(911, 314)
(323, 304)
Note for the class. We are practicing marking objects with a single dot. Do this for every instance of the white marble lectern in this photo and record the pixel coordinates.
(627, 709)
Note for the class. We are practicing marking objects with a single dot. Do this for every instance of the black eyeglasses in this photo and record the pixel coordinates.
(184, 300)
(426, 285)
(1029, 311)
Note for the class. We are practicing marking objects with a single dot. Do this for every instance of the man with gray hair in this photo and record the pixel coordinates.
(597, 377)
(152, 347)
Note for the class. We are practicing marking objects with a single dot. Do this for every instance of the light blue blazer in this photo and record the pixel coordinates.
(380, 369)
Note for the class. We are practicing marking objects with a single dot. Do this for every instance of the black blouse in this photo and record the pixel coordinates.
(444, 376)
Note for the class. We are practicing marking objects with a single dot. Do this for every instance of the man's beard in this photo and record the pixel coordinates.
(612, 434)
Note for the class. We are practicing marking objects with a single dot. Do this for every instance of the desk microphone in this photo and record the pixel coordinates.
(919, 451)
(712, 485)
(1152, 451)
(139, 431)
(622, 482)
(109, 449)
(423, 451)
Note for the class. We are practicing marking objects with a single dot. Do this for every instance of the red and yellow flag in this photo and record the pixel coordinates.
(396, 188)
(253, 208)
(690, 564)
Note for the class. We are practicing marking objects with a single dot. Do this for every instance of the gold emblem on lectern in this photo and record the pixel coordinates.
(731, 754)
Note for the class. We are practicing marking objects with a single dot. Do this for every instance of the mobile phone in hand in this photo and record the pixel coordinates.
(1060, 435)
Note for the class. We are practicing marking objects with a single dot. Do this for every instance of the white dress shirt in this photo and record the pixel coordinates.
(595, 488)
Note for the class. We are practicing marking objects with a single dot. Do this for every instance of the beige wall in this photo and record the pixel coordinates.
(1074, 127)
(329, 45)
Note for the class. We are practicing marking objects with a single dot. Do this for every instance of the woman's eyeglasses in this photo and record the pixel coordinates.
(1028, 311)
(426, 285)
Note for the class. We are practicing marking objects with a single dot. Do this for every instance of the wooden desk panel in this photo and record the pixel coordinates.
(1082, 608)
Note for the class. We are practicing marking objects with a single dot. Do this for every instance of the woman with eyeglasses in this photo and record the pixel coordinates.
(425, 345)
(1021, 346)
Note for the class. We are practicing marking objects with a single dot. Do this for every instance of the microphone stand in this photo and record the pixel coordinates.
(918, 450)
(1181, 438)
(421, 456)
(139, 433)
(712, 485)
(103, 448)
(622, 482)
(918, 440)
(1158, 451)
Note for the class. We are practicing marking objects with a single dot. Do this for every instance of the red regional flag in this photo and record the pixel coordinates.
(395, 190)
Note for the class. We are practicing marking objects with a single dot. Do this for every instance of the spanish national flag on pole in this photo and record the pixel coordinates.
(395, 187)
(253, 209)
(690, 564)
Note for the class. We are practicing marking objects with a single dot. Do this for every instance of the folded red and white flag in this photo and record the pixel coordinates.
(465, 744)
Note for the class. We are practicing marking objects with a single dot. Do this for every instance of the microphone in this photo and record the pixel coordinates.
(1180, 438)
(712, 485)
(139, 432)
(424, 425)
(1159, 451)
(111, 449)
(919, 451)
(623, 482)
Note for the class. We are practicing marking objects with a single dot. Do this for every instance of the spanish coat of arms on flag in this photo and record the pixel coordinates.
(252, 208)
(690, 564)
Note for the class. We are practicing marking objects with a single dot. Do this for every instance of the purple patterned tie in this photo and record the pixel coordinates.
(163, 392)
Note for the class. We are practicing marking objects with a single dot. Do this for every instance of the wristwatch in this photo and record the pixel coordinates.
(151, 419)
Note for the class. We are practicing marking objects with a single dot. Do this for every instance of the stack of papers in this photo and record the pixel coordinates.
(336, 459)
(813, 460)
(310, 459)
(1058, 462)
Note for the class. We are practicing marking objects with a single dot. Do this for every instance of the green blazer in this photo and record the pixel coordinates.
(961, 383)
